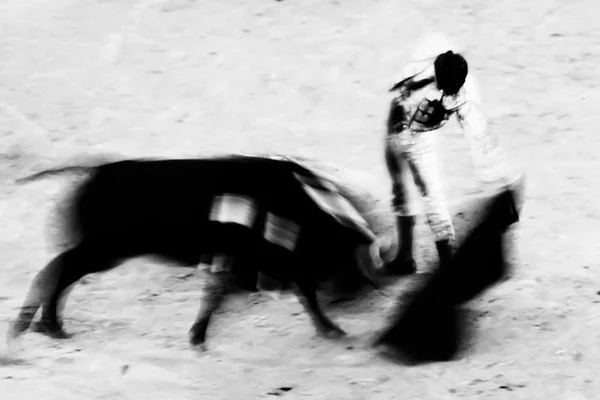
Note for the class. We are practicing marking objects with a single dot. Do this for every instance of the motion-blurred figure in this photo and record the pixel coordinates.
(436, 85)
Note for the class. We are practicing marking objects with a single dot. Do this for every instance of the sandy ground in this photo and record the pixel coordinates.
(182, 78)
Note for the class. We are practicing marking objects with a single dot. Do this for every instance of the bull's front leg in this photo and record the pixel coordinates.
(215, 287)
(308, 298)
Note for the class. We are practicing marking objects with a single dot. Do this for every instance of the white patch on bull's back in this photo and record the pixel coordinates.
(336, 206)
(218, 263)
(202, 267)
(221, 263)
(281, 231)
(235, 209)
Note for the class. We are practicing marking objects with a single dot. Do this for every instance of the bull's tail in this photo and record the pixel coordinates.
(80, 163)
(52, 172)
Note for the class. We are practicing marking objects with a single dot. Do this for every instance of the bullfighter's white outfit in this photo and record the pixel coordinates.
(418, 109)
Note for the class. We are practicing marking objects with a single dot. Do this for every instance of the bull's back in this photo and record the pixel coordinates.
(138, 207)
(154, 196)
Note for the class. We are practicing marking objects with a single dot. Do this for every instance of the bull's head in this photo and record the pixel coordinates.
(368, 261)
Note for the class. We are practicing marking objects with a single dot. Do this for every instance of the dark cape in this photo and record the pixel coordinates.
(433, 326)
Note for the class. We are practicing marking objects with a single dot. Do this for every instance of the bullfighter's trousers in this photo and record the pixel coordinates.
(412, 163)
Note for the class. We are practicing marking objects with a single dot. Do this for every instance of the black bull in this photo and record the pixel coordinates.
(249, 208)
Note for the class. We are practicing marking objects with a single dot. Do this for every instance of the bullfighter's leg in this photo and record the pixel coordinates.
(403, 203)
(214, 289)
(308, 298)
(423, 164)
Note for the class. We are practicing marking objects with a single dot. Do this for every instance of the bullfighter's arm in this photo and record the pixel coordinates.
(487, 155)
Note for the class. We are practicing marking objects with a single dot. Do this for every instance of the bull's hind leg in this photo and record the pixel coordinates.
(215, 287)
(50, 322)
(42, 287)
(49, 286)
(308, 298)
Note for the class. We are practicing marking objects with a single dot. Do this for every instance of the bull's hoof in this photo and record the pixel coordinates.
(198, 343)
(196, 339)
(16, 329)
(199, 348)
(333, 333)
(197, 336)
(51, 329)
